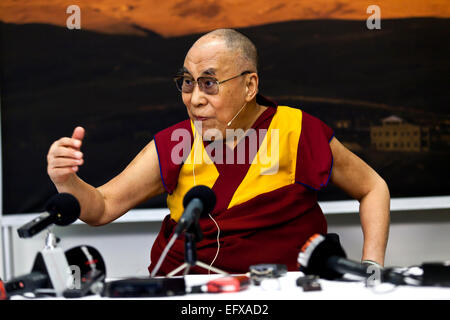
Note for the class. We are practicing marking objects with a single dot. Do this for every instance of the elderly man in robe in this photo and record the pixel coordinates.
(265, 163)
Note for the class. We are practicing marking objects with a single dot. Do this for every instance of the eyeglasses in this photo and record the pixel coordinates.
(208, 85)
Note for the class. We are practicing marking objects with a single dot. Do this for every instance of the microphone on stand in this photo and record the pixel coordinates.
(88, 276)
(62, 209)
(324, 256)
(50, 268)
(198, 201)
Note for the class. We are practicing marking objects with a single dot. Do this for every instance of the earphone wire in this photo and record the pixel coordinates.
(218, 243)
(215, 222)
(229, 123)
(193, 163)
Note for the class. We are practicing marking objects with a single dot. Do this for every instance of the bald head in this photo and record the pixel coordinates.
(235, 42)
(229, 58)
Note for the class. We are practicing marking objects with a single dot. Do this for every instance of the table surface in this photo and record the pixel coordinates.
(285, 288)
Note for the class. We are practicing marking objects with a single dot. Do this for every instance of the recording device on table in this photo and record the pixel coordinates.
(161, 287)
(74, 273)
(323, 256)
(309, 283)
(223, 284)
(263, 271)
(144, 287)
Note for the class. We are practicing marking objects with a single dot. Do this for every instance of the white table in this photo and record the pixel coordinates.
(285, 288)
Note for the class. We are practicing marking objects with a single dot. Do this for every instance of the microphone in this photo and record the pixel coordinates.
(83, 274)
(229, 122)
(62, 209)
(26, 283)
(324, 256)
(197, 201)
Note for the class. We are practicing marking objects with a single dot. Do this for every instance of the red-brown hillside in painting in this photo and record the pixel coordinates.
(180, 17)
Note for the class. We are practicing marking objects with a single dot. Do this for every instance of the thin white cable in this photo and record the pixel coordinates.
(218, 229)
(229, 123)
(193, 164)
(163, 254)
(218, 243)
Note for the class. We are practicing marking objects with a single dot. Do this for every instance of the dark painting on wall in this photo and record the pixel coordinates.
(385, 91)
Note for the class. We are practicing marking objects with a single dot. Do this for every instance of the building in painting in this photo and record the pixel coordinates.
(395, 134)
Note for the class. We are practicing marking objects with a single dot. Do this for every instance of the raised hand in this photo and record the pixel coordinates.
(64, 157)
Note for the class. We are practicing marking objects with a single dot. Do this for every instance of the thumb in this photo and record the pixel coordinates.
(78, 133)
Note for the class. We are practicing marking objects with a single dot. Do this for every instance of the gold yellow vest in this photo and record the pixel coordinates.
(272, 168)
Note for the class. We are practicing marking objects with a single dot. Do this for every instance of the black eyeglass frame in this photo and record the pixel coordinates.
(178, 77)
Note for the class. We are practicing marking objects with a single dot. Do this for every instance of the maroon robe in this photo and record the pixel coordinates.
(269, 228)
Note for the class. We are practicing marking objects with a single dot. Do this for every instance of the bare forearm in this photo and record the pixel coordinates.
(139, 181)
(91, 200)
(375, 218)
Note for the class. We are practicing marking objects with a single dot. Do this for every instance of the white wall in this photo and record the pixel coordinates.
(415, 237)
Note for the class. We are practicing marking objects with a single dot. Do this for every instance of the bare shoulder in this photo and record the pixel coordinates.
(350, 172)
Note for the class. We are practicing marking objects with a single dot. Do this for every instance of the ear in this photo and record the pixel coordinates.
(251, 88)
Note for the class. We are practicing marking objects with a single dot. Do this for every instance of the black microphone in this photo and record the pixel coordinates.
(197, 201)
(26, 283)
(62, 209)
(323, 255)
(88, 279)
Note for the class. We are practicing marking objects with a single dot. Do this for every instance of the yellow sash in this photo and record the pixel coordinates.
(272, 168)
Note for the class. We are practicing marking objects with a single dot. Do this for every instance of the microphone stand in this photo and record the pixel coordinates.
(52, 261)
(191, 236)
